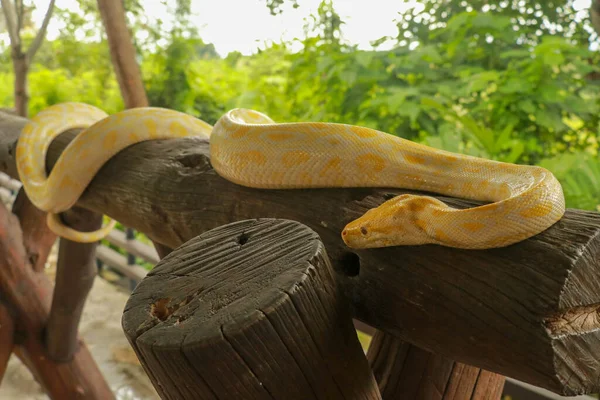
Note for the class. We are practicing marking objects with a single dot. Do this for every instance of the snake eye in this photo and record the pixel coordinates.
(363, 230)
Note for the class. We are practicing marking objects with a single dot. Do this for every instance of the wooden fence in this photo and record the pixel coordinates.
(135, 251)
(126, 265)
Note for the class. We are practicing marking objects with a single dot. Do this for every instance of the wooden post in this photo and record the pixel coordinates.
(38, 238)
(404, 371)
(75, 274)
(250, 310)
(29, 293)
(7, 337)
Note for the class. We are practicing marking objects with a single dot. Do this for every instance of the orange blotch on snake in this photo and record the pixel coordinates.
(421, 224)
(363, 132)
(279, 137)
(441, 236)
(239, 132)
(253, 156)
(151, 127)
(333, 164)
(177, 129)
(537, 211)
(110, 140)
(295, 157)
(370, 162)
(414, 159)
(473, 226)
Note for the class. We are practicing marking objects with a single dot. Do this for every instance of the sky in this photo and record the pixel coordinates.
(244, 25)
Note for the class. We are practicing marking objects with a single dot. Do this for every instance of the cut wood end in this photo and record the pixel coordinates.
(574, 321)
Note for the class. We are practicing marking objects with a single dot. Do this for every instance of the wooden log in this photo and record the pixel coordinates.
(29, 293)
(7, 337)
(404, 371)
(38, 238)
(75, 274)
(250, 310)
(496, 309)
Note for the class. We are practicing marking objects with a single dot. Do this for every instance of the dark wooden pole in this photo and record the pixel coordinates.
(30, 293)
(404, 371)
(38, 238)
(75, 274)
(7, 337)
(250, 310)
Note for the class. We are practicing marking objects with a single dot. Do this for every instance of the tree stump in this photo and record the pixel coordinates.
(249, 310)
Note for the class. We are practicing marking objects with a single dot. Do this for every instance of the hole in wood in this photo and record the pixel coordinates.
(160, 309)
(243, 239)
(350, 264)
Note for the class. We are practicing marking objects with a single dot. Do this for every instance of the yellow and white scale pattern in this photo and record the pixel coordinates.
(250, 149)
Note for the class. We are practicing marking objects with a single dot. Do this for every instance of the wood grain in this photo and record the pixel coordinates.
(404, 371)
(249, 310)
(493, 309)
(38, 238)
(75, 274)
(7, 337)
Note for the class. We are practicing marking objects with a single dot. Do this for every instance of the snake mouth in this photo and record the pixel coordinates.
(358, 235)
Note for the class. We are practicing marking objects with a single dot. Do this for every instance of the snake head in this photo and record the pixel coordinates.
(402, 220)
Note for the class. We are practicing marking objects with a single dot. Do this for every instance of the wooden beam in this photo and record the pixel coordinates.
(38, 238)
(404, 371)
(497, 309)
(75, 274)
(248, 310)
(7, 337)
(30, 293)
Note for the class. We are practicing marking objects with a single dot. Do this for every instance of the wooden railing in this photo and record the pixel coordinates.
(127, 266)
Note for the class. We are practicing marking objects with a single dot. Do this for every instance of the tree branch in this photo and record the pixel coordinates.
(11, 23)
(20, 11)
(595, 15)
(39, 38)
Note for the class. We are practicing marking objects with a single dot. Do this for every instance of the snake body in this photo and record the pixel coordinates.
(250, 149)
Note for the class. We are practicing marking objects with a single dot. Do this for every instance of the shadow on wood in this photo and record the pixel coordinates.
(404, 371)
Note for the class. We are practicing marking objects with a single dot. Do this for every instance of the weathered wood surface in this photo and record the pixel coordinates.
(404, 371)
(38, 239)
(7, 337)
(505, 310)
(250, 310)
(75, 274)
(30, 293)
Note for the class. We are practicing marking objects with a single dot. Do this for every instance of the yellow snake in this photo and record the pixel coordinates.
(250, 149)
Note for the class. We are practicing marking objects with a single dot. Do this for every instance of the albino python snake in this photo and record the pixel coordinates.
(248, 148)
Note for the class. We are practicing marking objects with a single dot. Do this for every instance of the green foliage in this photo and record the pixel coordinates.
(512, 81)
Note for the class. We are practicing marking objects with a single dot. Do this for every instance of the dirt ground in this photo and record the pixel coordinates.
(101, 329)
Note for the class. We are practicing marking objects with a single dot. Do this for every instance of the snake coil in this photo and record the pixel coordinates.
(250, 149)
